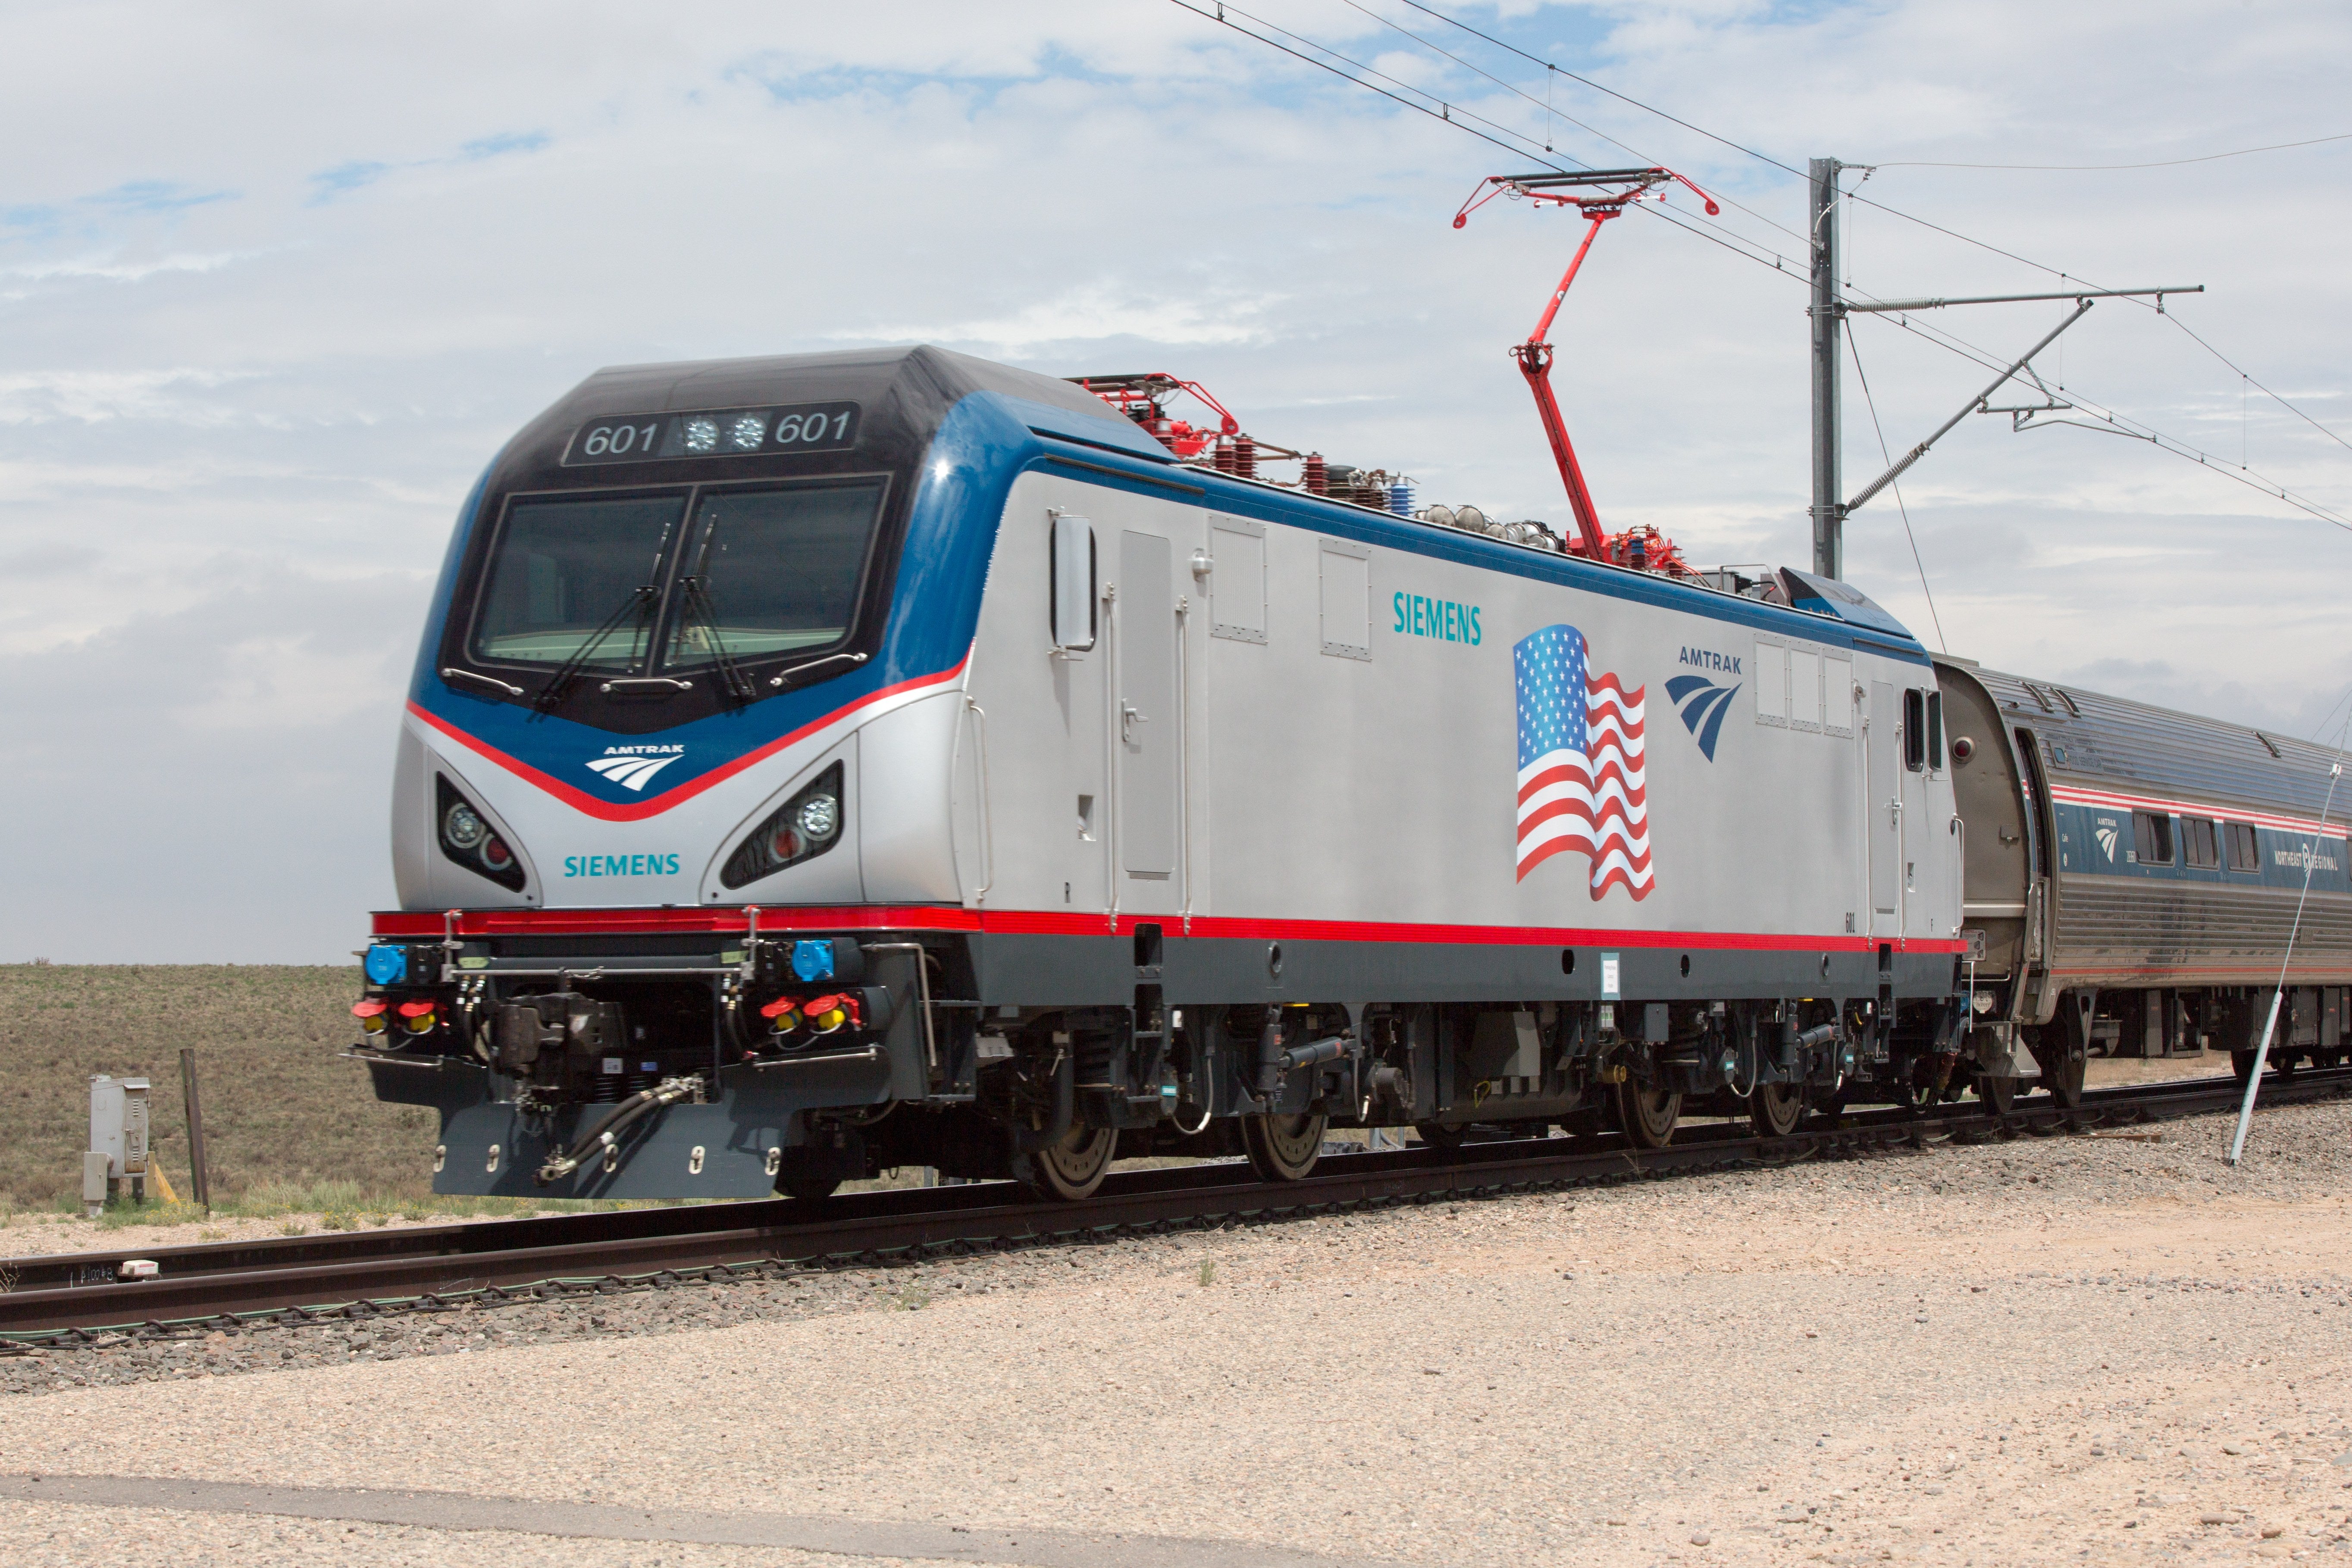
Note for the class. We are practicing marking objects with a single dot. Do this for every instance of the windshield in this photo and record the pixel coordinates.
(565, 572)
(778, 572)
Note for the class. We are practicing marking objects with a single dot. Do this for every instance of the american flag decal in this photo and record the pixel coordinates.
(1582, 780)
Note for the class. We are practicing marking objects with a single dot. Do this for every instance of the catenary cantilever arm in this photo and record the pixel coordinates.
(1971, 406)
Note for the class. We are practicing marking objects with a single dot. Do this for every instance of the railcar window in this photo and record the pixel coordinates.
(2198, 847)
(565, 570)
(778, 571)
(2152, 837)
(1915, 731)
(2245, 850)
(1935, 730)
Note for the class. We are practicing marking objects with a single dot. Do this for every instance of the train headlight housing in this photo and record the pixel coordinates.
(805, 828)
(467, 838)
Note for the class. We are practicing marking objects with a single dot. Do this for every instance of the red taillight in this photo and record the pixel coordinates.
(496, 855)
(784, 843)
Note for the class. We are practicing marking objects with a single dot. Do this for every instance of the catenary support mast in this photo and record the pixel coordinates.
(1828, 328)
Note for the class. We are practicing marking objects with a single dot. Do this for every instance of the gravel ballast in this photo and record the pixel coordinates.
(2082, 1348)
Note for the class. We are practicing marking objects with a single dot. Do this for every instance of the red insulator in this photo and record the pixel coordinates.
(1163, 429)
(1222, 454)
(1317, 476)
(1245, 457)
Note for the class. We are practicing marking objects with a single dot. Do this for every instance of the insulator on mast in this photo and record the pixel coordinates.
(1245, 457)
(1317, 476)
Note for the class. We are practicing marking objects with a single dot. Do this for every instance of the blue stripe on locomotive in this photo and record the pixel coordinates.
(985, 443)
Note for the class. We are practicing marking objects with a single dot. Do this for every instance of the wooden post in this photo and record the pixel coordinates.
(199, 1183)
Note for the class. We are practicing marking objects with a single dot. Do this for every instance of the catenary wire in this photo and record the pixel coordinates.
(1447, 113)
(1910, 217)
(2120, 424)
(1897, 486)
(2109, 168)
(1549, 110)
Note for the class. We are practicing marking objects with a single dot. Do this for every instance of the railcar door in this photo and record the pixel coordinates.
(1883, 760)
(1149, 738)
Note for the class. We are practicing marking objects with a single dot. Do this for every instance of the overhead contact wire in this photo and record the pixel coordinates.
(1451, 113)
(1909, 217)
(1729, 239)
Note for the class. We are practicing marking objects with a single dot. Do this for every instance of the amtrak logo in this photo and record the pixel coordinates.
(1702, 704)
(631, 766)
(2109, 838)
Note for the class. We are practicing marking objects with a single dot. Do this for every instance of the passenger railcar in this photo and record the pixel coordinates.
(834, 762)
(2134, 876)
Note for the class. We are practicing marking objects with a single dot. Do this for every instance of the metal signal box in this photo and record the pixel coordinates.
(117, 1127)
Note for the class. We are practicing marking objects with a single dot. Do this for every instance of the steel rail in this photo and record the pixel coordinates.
(73, 1294)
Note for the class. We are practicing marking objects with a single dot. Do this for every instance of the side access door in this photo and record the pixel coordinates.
(1883, 807)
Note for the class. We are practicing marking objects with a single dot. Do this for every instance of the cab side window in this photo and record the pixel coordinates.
(1915, 731)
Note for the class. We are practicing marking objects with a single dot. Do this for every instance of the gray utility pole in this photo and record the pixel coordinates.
(1828, 312)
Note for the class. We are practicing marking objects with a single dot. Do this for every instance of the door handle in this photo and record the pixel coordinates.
(1129, 717)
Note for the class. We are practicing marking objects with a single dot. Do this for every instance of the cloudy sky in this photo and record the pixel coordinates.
(276, 281)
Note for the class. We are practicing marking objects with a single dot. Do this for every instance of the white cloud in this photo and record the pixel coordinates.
(277, 287)
(1089, 314)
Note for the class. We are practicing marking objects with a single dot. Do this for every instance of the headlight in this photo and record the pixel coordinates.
(464, 829)
(805, 827)
(820, 817)
(466, 839)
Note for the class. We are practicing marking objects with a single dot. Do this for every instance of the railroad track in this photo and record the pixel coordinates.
(72, 1296)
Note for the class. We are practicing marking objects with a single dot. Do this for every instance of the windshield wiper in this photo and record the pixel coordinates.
(698, 608)
(641, 600)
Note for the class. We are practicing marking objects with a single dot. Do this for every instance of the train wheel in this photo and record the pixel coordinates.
(808, 1189)
(1997, 1095)
(1775, 1109)
(1071, 1169)
(1647, 1115)
(2064, 1078)
(2285, 1063)
(1437, 1135)
(2243, 1064)
(1283, 1148)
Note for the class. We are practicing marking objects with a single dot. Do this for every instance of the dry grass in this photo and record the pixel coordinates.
(287, 1121)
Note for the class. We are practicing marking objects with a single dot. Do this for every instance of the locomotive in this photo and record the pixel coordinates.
(821, 763)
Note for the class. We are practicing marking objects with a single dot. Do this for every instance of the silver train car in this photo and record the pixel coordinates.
(823, 763)
(2134, 876)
